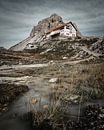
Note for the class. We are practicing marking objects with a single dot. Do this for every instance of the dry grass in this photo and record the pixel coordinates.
(77, 79)
(87, 79)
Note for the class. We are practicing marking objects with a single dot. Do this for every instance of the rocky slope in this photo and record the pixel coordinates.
(88, 50)
(38, 32)
(79, 49)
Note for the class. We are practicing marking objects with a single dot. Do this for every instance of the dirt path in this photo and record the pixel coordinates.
(78, 61)
(5, 67)
(23, 66)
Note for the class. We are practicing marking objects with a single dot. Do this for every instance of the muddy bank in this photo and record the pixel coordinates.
(14, 122)
(9, 92)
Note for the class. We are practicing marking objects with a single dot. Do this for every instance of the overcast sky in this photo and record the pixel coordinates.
(17, 17)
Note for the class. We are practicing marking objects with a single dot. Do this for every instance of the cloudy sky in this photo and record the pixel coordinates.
(17, 17)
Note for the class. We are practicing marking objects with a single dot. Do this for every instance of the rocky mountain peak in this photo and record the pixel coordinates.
(45, 24)
(56, 17)
(39, 31)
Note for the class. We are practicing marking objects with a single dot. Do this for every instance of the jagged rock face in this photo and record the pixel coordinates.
(47, 23)
(38, 32)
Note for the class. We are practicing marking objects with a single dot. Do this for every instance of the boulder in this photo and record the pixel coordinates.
(53, 80)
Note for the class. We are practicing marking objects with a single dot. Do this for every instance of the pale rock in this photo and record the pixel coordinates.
(64, 58)
(51, 62)
(45, 106)
(44, 52)
(53, 80)
(74, 97)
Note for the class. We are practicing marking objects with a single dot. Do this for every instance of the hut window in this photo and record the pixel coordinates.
(52, 20)
(49, 25)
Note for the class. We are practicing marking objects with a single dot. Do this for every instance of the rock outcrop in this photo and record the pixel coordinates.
(44, 25)
(38, 32)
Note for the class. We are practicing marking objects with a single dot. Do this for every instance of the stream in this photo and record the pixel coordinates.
(37, 96)
(39, 90)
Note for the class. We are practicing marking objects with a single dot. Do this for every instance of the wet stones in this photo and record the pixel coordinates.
(34, 100)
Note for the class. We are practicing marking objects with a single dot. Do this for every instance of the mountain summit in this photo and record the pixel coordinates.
(44, 25)
(45, 29)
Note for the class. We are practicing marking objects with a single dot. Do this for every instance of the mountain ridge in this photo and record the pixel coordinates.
(38, 32)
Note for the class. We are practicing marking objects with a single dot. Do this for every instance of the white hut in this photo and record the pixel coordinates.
(66, 30)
